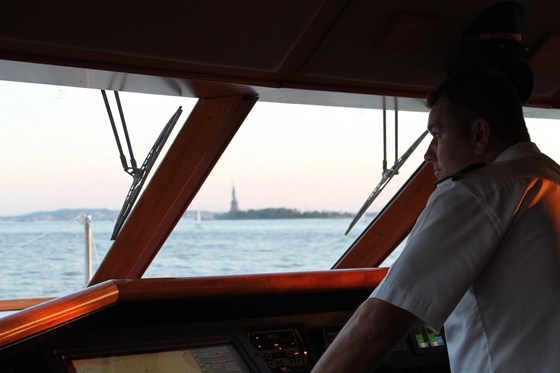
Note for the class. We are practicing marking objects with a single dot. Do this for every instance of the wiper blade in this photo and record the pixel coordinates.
(385, 178)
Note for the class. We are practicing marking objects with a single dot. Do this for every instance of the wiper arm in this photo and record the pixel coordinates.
(139, 175)
(385, 178)
(133, 169)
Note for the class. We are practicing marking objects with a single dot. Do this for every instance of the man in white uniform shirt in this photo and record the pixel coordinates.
(484, 255)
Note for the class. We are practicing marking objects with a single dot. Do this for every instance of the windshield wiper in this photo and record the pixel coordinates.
(139, 174)
(386, 176)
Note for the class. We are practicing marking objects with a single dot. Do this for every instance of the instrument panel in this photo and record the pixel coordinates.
(284, 350)
(246, 333)
(281, 350)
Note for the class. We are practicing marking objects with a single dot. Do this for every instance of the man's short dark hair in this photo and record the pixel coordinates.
(484, 94)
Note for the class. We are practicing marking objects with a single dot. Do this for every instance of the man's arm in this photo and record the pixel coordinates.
(367, 339)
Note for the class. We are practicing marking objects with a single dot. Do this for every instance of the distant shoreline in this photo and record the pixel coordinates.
(64, 215)
(281, 213)
(111, 215)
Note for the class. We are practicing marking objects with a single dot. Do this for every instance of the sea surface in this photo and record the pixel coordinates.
(48, 258)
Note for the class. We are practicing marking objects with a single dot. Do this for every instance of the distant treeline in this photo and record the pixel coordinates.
(280, 213)
(64, 215)
(106, 214)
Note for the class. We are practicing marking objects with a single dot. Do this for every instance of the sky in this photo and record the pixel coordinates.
(58, 151)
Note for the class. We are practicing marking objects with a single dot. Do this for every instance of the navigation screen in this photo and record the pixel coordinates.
(214, 359)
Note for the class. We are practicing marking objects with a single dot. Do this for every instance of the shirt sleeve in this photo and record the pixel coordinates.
(448, 247)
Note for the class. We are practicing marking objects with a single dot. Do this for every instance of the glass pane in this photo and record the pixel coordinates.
(306, 162)
(299, 174)
(60, 162)
(543, 133)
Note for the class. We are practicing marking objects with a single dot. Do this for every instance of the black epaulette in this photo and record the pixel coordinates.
(462, 172)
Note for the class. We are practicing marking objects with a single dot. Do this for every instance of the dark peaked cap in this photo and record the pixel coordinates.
(493, 41)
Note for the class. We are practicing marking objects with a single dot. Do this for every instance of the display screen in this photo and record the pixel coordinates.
(213, 359)
(426, 339)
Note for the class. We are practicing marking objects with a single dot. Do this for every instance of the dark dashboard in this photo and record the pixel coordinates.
(202, 326)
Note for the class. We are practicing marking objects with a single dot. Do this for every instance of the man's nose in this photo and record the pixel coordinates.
(430, 155)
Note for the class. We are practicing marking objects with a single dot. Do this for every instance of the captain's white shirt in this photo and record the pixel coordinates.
(484, 258)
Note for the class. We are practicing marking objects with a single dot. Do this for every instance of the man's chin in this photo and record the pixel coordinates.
(440, 175)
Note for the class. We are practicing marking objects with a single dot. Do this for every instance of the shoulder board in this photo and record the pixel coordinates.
(462, 172)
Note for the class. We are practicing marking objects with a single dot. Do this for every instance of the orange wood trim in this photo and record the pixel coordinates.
(259, 284)
(20, 304)
(198, 146)
(393, 224)
(56, 312)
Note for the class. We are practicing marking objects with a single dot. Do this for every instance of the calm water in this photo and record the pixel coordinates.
(48, 258)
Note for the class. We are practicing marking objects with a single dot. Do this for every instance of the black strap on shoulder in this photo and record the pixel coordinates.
(463, 171)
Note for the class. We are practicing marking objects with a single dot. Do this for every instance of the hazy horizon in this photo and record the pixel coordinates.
(189, 210)
(62, 153)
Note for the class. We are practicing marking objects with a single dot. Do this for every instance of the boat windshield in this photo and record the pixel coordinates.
(286, 189)
(280, 198)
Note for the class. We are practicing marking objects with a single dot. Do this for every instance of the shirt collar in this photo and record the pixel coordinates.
(513, 152)
(517, 150)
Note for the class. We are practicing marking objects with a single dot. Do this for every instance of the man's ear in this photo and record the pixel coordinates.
(481, 133)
